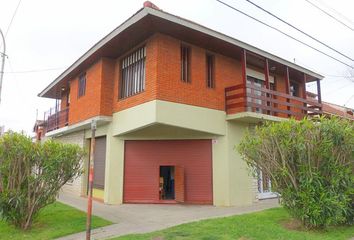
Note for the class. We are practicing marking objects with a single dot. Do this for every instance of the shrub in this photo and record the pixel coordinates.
(311, 164)
(31, 175)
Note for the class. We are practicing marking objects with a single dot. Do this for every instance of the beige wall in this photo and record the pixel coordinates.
(158, 120)
(232, 181)
(113, 189)
(78, 185)
(114, 169)
(240, 178)
(168, 113)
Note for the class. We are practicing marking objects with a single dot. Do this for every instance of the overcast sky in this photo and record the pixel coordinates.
(46, 37)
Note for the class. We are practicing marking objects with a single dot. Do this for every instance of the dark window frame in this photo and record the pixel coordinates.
(132, 77)
(185, 63)
(82, 85)
(210, 70)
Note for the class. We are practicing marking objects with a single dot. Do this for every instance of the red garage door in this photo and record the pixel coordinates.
(143, 160)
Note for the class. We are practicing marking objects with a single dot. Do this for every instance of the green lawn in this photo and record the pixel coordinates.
(55, 220)
(268, 224)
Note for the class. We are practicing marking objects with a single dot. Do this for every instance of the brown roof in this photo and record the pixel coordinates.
(148, 21)
(333, 109)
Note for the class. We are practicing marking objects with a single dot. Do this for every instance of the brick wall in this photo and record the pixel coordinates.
(63, 100)
(107, 86)
(84, 107)
(150, 91)
(171, 88)
(162, 81)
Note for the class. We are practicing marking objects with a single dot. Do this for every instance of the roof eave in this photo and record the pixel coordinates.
(136, 17)
(169, 17)
(231, 40)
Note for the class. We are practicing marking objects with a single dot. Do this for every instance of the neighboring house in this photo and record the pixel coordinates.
(331, 109)
(171, 99)
(39, 129)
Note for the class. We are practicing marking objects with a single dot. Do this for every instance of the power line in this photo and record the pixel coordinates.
(330, 15)
(335, 90)
(299, 30)
(12, 19)
(289, 36)
(320, 72)
(340, 14)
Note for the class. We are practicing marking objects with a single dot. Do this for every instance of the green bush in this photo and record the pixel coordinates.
(310, 163)
(31, 175)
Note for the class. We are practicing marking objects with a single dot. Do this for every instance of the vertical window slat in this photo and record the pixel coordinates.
(210, 71)
(82, 85)
(185, 63)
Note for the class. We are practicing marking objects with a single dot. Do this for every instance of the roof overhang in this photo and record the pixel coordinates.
(145, 23)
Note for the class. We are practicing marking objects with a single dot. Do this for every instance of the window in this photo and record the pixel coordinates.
(185, 64)
(133, 73)
(257, 94)
(210, 71)
(294, 89)
(82, 85)
(264, 186)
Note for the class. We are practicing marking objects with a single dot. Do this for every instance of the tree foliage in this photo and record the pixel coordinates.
(31, 175)
(311, 164)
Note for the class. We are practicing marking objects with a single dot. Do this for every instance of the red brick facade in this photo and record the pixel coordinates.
(162, 81)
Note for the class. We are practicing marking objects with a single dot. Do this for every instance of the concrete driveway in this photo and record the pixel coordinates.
(142, 218)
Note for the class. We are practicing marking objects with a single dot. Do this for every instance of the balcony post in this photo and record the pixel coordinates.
(56, 114)
(244, 76)
(287, 81)
(319, 93)
(266, 78)
(304, 95)
(287, 87)
(266, 73)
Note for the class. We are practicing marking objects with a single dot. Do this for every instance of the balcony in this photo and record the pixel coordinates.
(257, 99)
(56, 119)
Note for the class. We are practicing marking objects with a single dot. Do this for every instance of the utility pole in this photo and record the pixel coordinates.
(90, 185)
(3, 55)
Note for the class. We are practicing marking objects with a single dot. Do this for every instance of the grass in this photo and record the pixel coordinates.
(55, 220)
(268, 224)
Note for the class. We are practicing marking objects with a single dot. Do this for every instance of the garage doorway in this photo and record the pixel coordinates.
(192, 162)
(167, 183)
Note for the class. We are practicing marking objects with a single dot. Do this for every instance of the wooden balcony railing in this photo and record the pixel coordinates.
(57, 120)
(252, 98)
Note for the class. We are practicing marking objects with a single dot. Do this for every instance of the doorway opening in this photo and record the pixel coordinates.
(167, 183)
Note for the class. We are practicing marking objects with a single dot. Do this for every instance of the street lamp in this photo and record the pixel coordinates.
(2, 54)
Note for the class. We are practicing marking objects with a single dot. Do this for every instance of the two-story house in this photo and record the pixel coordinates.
(171, 99)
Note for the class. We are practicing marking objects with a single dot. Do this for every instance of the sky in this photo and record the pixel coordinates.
(46, 37)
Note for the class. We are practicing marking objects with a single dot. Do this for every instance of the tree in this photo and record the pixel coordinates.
(31, 175)
(311, 164)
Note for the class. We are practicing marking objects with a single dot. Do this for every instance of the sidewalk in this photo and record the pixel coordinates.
(142, 218)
